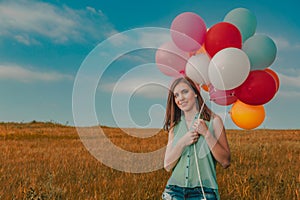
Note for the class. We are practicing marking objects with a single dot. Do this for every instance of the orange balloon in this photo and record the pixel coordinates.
(201, 50)
(205, 87)
(275, 76)
(247, 116)
(192, 53)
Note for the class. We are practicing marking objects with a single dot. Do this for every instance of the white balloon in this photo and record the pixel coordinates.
(229, 68)
(197, 68)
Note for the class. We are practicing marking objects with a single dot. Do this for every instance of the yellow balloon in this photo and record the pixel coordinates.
(247, 116)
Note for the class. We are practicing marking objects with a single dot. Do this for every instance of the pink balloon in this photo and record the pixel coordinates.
(171, 60)
(188, 31)
(258, 89)
(222, 97)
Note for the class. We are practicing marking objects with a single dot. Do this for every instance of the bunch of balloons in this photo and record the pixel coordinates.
(228, 60)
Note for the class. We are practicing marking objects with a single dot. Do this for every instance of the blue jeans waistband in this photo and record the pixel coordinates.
(177, 192)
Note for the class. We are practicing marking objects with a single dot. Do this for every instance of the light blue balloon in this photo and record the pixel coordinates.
(244, 20)
(261, 51)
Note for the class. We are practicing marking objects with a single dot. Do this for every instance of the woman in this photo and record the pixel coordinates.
(187, 133)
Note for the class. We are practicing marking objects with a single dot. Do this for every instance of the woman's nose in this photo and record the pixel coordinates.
(180, 97)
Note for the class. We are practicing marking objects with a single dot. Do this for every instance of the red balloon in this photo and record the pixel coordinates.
(222, 35)
(222, 97)
(258, 89)
(275, 76)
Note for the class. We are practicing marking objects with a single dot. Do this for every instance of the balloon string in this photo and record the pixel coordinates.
(222, 97)
(195, 155)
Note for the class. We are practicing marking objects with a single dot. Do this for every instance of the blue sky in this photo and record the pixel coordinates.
(43, 45)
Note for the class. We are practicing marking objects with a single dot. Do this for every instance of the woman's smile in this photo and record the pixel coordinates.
(184, 97)
(183, 103)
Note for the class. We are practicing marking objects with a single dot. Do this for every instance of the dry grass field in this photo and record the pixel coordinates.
(49, 161)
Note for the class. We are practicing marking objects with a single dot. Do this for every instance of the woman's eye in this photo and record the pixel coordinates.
(185, 91)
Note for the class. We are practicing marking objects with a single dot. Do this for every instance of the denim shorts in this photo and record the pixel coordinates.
(173, 192)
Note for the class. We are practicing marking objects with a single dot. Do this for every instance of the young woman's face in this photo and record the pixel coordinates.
(184, 97)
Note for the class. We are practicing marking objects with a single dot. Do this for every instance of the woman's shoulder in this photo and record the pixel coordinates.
(216, 118)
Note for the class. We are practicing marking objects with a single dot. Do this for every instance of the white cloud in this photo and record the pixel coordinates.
(25, 39)
(289, 94)
(285, 44)
(142, 37)
(143, 80)
(289, 71)
(289, 85)
(142, 86)
(161, 37)
(119, 39)
(145, 42)
(21, 74)
(293, 81)
(60, 24)
(93, 10)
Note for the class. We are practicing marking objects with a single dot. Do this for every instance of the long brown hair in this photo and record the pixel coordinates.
(173, 113)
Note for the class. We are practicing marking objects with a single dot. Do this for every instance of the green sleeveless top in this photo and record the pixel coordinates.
(185, 173)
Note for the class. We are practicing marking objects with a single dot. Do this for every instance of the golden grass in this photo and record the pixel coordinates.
(49, 161)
